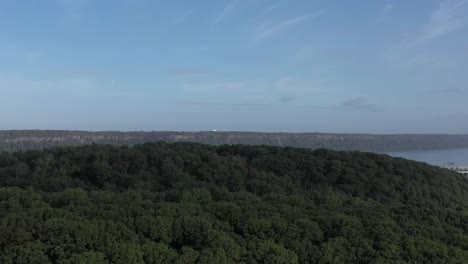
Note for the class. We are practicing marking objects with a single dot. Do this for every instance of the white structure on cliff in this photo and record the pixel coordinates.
(460, 169)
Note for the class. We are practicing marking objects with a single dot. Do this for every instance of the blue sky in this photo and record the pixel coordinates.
(294, 66)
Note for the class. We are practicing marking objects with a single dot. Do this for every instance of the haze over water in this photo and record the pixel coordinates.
(436, 157)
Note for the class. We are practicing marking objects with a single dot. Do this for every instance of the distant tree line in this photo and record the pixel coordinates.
(193, 203)
(15, 140)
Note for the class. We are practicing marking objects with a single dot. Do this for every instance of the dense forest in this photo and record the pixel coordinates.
(193, 203)
(14, 140)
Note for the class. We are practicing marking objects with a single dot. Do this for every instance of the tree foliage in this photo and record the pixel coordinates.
(192, 203)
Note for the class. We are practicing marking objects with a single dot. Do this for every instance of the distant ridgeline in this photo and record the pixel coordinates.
(39, 139)
(192, 203)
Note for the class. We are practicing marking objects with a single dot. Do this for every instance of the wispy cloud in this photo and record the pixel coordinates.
(227, 10)
(271, 8)
(306, 52)
(388, 7)
(183, 72)
(256, 106)
(287, 99)
(290, 85)
(23, 87)
(450, 16)
(407, 61)
(75, 87)
(202, 103)
(272, 30)
(213, 87)
(183, 17)
(360, 103)
(20, 55)
(72, 9)
(452, 91)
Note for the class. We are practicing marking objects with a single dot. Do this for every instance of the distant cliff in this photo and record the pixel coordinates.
(12, 140)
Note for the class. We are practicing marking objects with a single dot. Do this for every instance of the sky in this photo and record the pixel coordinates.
(370, 66)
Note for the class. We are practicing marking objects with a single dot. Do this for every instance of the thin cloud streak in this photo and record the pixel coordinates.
(287, 99)
(271, 8)
(247, 105)
(183, 72)
(288, 84)
(388, 7)
(452, 91)
(213, 87)
(409, 62)
(228, 9)
(182, 18)
(361, 103)
(201, 103)
(72, 9)
(273, 30)
(73, 87)
(449, 17)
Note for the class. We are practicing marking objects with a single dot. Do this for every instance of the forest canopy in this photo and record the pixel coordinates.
(193, 203)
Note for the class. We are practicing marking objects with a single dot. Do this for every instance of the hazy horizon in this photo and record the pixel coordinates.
(233, 131)
(378, 67)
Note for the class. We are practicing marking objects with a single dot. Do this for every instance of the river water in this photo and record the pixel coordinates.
(436, 157)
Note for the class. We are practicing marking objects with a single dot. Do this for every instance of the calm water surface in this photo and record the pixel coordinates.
(436, 157)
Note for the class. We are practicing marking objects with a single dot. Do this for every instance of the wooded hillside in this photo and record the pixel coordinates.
(193, 203)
